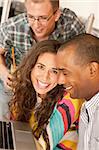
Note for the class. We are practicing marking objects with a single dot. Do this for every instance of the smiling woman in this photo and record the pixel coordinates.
(44, 75)
(35, 87)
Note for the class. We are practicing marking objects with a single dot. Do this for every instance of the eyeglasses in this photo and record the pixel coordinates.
(41, 19)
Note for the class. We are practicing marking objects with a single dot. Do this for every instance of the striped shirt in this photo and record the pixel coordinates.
(65, 113)
(16, 32)
(87, 120)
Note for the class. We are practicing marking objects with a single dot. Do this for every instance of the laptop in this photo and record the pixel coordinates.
(16, 136)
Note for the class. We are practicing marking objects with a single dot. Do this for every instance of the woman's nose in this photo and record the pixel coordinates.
(46, 75)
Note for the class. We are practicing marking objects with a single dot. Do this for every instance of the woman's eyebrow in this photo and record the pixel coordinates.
(54, 68)
(40, 63)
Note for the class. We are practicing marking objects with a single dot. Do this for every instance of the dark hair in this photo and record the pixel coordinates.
(86, 48)
(54, 3)
(24, 93)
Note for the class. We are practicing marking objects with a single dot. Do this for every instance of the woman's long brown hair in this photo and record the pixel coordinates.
(24, 93)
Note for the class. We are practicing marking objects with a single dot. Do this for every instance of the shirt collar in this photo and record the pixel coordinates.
(92, 104)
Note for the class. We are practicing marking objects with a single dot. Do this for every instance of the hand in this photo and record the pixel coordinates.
(8, 81)
(5, 76)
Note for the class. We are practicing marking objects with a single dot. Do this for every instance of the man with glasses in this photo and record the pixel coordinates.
(43, 20)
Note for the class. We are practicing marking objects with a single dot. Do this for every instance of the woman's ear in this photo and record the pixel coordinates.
(57, 14)
(94, 69)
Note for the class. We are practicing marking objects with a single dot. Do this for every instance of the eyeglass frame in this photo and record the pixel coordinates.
(45, 19)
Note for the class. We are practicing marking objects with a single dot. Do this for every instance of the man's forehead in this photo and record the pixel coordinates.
(65, 59)
(66, 53)
(68, 48)
(41, 3)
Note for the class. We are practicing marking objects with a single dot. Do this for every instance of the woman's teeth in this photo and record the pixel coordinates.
(43, 85)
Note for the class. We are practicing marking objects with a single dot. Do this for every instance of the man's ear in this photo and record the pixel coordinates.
(57, 14)
(94, 69)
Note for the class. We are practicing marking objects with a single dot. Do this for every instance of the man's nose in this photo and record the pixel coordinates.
(36, 22)
(61, 79)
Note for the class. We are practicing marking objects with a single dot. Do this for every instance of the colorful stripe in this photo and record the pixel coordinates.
(57, 127)
(66, 116)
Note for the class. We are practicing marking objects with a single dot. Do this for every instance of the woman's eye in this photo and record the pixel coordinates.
(40, 67)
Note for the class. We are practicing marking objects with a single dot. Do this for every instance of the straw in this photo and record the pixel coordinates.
(13, 59)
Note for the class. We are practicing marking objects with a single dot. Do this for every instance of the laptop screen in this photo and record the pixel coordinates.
(6, 139)
(16, 136)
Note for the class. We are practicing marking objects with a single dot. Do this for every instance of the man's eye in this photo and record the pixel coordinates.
(30, 16)
(65, 74)
(55, 71)
(42, 17)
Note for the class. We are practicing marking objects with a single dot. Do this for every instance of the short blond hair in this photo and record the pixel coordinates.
(54, 3)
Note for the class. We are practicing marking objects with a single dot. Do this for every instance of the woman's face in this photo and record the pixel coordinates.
(44, 75)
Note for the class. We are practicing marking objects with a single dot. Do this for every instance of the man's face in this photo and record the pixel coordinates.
(75, 77)
(41, 18)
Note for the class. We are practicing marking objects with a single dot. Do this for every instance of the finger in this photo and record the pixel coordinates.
(10, 77)
(7, 86)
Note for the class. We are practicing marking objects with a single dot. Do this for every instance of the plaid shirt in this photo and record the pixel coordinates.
(16, 32)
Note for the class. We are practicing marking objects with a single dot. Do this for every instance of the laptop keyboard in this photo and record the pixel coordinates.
(6, 139)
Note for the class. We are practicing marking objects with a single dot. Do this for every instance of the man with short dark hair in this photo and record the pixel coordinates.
(78, 61)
